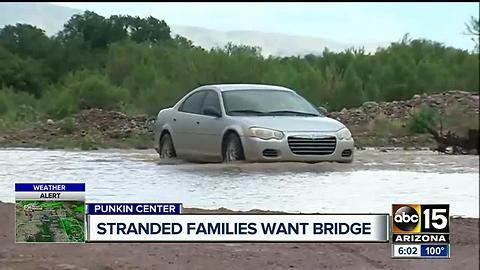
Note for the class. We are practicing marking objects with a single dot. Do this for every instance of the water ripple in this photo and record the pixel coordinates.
(369, 185)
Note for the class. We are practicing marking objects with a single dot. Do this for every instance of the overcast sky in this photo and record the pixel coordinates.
(343, 22)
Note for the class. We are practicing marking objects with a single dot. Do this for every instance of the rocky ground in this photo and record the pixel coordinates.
(372, 124)
(468, 103)
(464, 253)
(88, 129)
(386, 123)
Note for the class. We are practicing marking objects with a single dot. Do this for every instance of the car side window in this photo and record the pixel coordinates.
(193, 103)
(211, 100)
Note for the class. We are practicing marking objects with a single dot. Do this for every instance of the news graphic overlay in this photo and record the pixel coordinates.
(50, 212)
(420, 231)
(164, 222)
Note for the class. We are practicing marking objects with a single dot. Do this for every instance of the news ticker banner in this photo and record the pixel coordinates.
(164, 223)
(57, 212)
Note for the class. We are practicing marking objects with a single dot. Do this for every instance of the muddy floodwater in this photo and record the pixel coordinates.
(370, 185)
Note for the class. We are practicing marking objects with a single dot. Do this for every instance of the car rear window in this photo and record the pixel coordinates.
(193, 103)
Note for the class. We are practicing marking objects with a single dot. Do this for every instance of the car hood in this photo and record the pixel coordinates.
(293, 123)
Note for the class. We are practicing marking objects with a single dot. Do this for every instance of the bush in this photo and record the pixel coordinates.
(3, 103)
(25, 113)
(93, 90)
(82, 90)
(68, 125)
(11, 101)
(88, 143)
(425, 117)
(58, 103)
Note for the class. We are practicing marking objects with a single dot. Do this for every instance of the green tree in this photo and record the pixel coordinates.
(132, 63)
(92, 30)
(26, 41)
(473, 29)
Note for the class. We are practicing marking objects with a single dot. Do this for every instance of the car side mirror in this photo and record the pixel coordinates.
(212, 111)
(322, 110)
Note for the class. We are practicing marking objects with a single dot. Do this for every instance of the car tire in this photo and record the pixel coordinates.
(233, 150)
(166, 148)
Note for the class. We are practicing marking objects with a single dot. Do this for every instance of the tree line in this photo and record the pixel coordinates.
(135, 65)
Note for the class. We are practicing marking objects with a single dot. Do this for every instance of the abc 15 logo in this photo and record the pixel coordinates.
(420, 218)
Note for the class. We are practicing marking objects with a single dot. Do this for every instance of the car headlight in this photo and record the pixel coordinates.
(265, 133)
(344, 134)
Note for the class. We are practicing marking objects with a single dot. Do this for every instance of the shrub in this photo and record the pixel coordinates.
(11, 101)
(424, 118)
(82, 90)
(58, 103)
(68, 125)
(25, 113)
(3, 102)
(88, 143)
(94, 91)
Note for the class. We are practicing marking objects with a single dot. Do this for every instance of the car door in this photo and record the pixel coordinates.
(185, 123)
(210, 128)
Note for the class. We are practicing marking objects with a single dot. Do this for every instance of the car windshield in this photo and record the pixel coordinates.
(266, 103)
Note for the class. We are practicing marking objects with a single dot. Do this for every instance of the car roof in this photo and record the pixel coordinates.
(230, 87)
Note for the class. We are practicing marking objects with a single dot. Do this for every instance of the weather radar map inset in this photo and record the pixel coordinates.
(50, 221)
(50, 212)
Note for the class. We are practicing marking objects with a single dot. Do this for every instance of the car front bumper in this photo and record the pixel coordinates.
(254, 149)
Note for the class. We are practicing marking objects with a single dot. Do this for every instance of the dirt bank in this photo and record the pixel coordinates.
(467, 102)
(372, 124)
(386, 123)
(89, 130)
(465, 253)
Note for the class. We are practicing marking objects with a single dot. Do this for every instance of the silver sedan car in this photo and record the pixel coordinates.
(232, 122)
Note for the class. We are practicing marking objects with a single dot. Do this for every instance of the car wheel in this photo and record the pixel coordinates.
(233, 149)
(167, 151)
